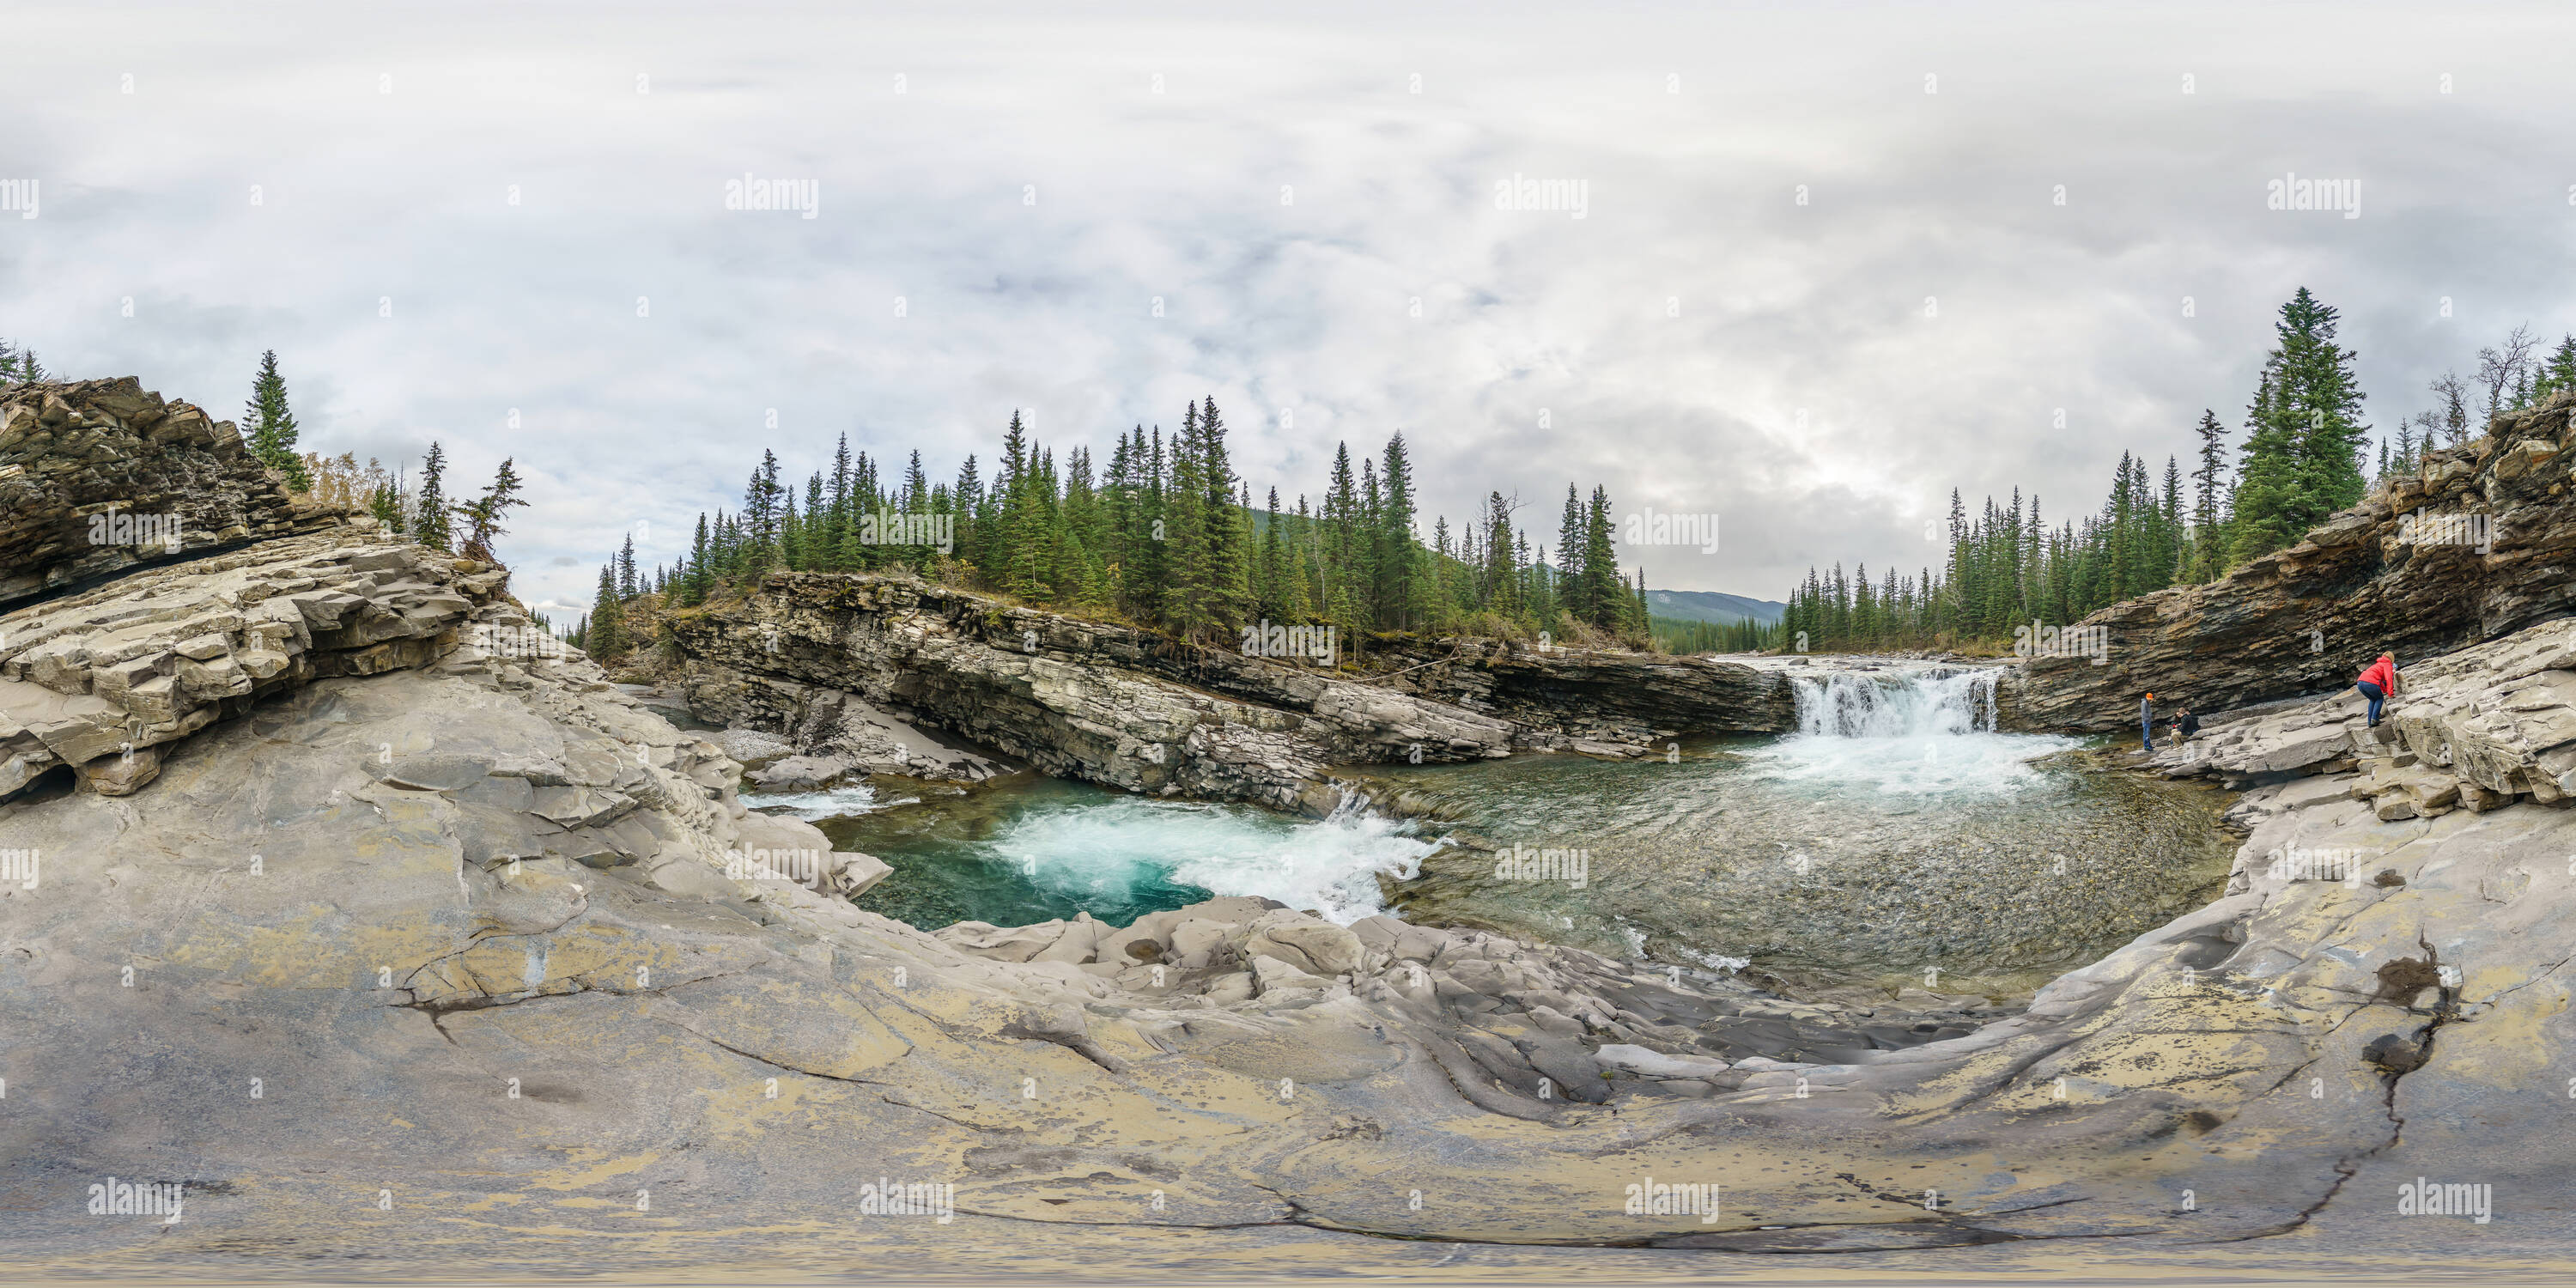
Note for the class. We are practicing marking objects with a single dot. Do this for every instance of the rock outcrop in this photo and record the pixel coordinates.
(98, 476)
(1558, 696)
(1074, 698)
(1134, 709)
(468, 927)
(2481, 542)
(101, 678)
(2472, 730)
(427, 944)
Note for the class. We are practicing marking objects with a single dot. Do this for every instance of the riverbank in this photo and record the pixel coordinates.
(405, 937)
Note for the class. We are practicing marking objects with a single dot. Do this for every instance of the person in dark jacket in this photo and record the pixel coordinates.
(2147, 723)
(2185, 725)
(2378, 684)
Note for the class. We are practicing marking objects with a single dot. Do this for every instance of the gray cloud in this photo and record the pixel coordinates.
(1782, 309)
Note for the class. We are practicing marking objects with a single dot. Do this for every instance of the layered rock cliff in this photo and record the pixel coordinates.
(1076, 698)
(101, 475)
(102, 678)
(461, 937)
(1558, 694)
(1135, 709)
(427, 945)
(2477, 544)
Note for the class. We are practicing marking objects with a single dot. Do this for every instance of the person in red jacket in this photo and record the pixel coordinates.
(2378, 684)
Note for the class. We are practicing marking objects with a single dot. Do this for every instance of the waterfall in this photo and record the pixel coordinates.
(1895, 704)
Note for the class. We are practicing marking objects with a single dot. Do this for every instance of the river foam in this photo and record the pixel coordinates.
(1107, 850)
(1905, 733)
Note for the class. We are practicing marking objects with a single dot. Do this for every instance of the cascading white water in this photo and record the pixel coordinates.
(1882, 704)
(1905, 732)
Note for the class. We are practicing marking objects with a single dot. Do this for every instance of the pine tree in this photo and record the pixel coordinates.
(699, 580)
(485, 514)
(387, 503)
(2209, 482)
(2559, 372)
(271, 425)
(1603, 589)
(1227, 567)
(431, 516)
(1338, 562)
(606, 637)
(1400, 561)
(2169, 543)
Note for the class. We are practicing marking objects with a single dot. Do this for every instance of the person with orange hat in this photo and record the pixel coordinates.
(2147, 723)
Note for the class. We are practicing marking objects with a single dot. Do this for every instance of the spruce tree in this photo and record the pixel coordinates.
(606, 638)
(1226, 558)
(2303, 443)
(2209, 481)
(698, 581)
(1401, 563)
(1604, 589)
(270, 425)
(2559, 372)
(431, 516)
(485, 514)
(386, 504)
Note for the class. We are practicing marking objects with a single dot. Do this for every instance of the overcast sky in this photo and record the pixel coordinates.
(1290, 182)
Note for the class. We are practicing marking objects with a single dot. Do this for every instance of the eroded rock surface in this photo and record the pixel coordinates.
(2475, 730)
(76, 458)
(1562, 698)
(383, 938)
(1073, 698)
(2480, 543)
(99, 678)
(487, 932)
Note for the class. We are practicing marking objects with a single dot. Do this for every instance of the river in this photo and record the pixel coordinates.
(1897, 839)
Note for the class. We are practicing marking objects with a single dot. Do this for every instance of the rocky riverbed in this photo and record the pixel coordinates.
(424, 947)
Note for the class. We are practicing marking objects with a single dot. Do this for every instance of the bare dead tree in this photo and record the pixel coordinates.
(2454, 393)
(2498, 369)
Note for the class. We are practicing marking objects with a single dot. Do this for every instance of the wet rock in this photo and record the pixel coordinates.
(2393, 1054)
(425, 941)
